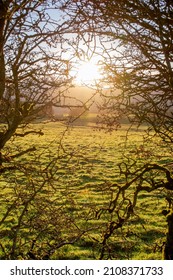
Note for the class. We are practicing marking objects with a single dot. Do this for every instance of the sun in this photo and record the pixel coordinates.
(87, 73)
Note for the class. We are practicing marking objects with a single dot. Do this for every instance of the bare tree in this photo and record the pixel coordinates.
(134, 42)
(34, 76)
(34, 71)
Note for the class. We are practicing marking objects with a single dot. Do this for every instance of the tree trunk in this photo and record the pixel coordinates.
(168, 249)
(3, 12)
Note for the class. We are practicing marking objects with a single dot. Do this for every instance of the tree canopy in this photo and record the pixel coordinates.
(33, 68)
(134, 41)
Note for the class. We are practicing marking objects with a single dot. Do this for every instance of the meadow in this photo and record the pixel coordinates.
(53, 197)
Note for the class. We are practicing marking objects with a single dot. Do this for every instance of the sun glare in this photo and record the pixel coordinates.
(87, 73)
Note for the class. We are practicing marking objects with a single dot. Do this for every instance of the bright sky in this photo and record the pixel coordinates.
(87, 73)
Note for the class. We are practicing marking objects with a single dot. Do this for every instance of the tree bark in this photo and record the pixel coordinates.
(3, 12)
(168, 249)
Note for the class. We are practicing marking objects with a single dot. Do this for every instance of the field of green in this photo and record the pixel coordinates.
(55, 203)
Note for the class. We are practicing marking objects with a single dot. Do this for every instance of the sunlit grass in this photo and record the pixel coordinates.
(84, 160)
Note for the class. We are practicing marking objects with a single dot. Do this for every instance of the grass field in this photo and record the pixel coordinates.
(69, 176)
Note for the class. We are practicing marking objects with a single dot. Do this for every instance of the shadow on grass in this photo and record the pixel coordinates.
(151, 235)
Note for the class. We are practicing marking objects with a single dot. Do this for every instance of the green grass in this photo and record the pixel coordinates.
(84, 162)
